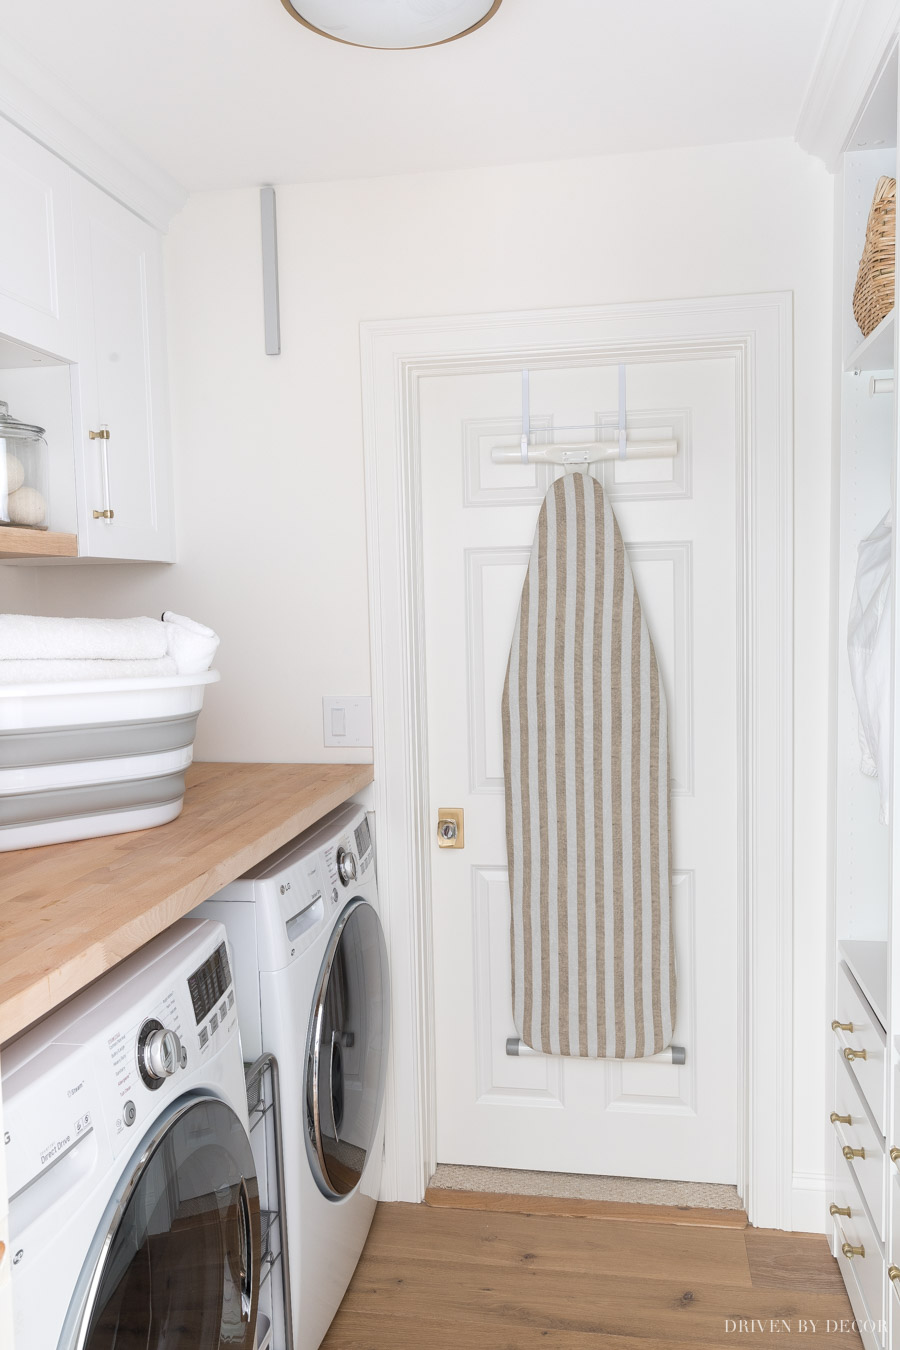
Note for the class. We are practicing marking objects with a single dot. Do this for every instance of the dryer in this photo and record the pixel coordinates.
(312, 984)
(134, 1211)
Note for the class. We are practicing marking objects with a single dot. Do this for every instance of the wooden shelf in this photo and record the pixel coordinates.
(69, 912)
(16, 543)
(868, 962)
(876, 352)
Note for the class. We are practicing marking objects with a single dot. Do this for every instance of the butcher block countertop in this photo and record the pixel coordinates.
(68, 912)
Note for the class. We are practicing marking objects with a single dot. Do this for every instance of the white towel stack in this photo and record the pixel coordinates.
(34, 649)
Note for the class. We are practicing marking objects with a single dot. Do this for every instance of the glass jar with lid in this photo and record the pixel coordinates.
(24, 474)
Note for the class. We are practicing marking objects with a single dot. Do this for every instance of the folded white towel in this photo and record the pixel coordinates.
(41, 672)
(192, 644)
(31, 637)
(186, 646)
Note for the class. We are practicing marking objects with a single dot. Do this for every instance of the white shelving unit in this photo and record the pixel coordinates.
(864, 1109)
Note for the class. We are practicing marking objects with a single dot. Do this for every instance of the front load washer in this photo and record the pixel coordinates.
(134, 1211)
(312, 986)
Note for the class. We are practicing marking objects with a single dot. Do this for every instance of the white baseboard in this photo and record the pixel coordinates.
(808, 1209)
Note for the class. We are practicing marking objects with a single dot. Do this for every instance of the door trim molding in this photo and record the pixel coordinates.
(756, 331)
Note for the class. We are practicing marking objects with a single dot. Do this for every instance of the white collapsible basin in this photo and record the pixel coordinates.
(93, 757)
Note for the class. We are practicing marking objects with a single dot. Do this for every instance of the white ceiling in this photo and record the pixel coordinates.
(235, 92)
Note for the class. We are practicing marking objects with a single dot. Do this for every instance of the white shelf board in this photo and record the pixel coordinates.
(876, 352)
(868, 962)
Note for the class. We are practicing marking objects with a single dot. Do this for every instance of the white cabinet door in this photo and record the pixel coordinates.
(6, 1321)
(124, 481)
(37, 268)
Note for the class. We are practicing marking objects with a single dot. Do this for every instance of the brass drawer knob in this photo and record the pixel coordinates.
(840, 1209)
(851, 1054)
(895, 1154)
(850, 1251)
(840, 1120)
(851, 1153)
(894, 1272)
(841, 1026)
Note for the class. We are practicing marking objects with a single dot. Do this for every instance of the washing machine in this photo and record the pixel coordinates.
(312, 984)
(134, 1212)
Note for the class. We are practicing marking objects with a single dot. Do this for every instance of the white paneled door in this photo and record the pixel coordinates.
(678, 520)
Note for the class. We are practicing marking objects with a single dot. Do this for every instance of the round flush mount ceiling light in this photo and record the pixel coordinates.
(392, 23)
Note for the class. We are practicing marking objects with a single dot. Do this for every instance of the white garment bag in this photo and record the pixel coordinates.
(869, 648)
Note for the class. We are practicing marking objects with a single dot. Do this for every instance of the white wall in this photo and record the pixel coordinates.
(269, 457)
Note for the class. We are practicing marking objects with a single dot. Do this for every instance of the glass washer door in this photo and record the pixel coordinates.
(179, 1269)
(346, 1058)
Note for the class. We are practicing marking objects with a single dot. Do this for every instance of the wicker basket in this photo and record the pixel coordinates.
(873, 295)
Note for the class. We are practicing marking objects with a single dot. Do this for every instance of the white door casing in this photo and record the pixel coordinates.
(755, 331)
(678, 521)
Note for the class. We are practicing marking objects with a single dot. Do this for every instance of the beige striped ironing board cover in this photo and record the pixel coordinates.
(587, 801)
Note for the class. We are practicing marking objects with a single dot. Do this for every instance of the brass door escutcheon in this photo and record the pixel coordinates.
(451, 827)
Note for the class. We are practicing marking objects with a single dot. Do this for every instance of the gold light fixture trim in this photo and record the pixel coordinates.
(422, 47)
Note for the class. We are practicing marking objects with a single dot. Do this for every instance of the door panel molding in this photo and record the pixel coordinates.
(756, 331)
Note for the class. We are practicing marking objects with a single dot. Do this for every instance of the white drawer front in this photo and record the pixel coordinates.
(863, 1274)
(859, 1142)
(863, 1046)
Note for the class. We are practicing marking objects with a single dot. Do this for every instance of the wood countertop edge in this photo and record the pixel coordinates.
(28, 1004)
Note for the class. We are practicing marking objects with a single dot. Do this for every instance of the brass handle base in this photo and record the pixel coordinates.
(104, 515)
(851, 1153)
(840, 1209)
(850, 1251)
(894, 1272)
(99, 435)
(850, 1054)
(451, 827)
(895, 1154)
(842, 1026)
(840, 1120)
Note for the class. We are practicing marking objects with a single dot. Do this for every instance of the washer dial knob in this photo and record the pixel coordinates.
(159, 1053)
(346, 865)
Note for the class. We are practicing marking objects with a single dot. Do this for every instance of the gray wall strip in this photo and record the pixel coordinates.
(271, 313)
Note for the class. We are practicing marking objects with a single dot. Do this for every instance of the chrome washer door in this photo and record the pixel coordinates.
(346, 1057)
(179, 1265)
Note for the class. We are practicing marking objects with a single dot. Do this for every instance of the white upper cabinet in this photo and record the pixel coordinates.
(123, 470)
(37, 269)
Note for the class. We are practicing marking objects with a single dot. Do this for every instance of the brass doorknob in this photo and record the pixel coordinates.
(850, 1251)
(840, 1209)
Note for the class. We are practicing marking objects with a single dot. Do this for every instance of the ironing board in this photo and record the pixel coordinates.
(587, 800)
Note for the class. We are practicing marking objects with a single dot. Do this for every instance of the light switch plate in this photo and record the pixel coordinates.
(347, 721)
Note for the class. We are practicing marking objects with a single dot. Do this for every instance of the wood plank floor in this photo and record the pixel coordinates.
(451, 1279)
